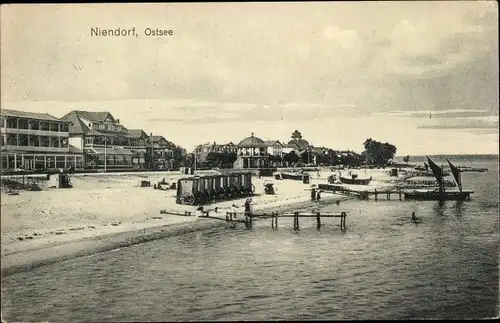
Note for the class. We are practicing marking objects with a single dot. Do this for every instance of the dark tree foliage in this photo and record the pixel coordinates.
(378, 153)
(296, 135)
(221, 159)
(306, 157)
(291, 158)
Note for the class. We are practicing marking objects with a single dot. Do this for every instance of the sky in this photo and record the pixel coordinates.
(420, 75)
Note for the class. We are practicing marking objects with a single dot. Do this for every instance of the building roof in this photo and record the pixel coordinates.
(252, 142)
(94, 116)
(29, 115)
(157, 138)
(301, 143)
(76, 126)
(94, 132)
(292, 145)
(136, 133)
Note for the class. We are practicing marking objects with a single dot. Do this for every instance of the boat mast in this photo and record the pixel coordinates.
(441, 182)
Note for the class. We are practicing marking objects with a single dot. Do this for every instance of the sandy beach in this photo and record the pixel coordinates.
(107, 211)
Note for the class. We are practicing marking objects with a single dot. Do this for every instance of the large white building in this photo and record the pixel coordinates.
(35, 141)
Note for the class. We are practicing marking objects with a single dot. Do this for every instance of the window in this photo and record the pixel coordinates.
(89, 141)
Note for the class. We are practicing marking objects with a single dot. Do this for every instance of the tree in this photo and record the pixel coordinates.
(327, 158)
(291, 157)
(214, 158)
(296, 135)
(406, 159)
(378, 153)
(228, 158)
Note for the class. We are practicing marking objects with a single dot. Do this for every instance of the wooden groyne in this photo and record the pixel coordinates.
(274, 216)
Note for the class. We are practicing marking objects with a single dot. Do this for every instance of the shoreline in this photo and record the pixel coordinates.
(25, 260)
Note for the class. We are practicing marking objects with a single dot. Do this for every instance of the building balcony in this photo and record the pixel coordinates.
(108, 146)
(34, 132)
(36, 149)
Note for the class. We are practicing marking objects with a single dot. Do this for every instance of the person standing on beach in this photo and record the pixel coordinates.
(313, 194)
(318, 195)
(233, 210)
(248, 205)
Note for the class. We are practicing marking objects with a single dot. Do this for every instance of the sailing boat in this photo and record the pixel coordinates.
(441, 194)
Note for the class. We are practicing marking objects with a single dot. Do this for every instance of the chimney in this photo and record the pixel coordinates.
(118, 121)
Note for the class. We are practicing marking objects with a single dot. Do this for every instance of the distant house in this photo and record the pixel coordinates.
(163, 151)
(301, 144)
(32, 140)
(99, 135)
(252, 153)
(138, 140)
(288, 148)
(274, 147)
(202, 151)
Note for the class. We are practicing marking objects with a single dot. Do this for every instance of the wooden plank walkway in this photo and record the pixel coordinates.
(230, 217)
(274, 216)
(364, 195)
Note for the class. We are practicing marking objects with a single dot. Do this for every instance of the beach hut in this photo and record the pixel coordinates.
(218, 186)
(226, 186)
(235, 184)
(246, 183)
(209, 187)
(187, 190)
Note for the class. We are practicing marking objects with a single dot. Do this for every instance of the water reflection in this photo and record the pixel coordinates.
(459, 208)
(439, 207)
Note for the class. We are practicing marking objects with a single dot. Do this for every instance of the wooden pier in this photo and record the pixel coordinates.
(364, 195)
(274, 216)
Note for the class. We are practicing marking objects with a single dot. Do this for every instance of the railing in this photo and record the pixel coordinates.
(35, 132)
(36, 148)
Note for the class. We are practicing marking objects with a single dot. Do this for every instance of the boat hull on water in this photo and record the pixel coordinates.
(438, 196)
(355, 181)
(293, 176)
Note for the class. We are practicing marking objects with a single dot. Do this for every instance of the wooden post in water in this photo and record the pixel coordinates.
(272, 220)
(376, 195)
(388, 195)
(276, 219)
(227, 216)
(342, 219)
(400, 196)
(250, 219)
(318, 220)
